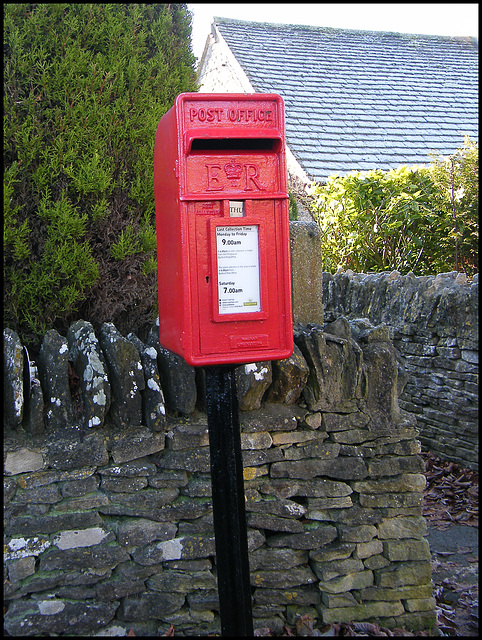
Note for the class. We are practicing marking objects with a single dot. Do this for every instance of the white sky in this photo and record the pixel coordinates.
(445, 19)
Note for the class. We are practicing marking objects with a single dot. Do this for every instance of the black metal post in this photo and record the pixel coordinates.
(228, 502)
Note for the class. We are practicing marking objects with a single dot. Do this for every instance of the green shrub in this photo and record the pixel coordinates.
(292, 207)
(457, 178)
(85, 86)
(421, 219)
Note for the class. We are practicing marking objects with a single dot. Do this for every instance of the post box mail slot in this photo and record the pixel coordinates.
(222, 229)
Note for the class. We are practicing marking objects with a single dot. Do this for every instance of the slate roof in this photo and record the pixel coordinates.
(362, 99)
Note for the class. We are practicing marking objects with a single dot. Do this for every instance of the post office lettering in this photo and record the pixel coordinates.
(211, 114)
(217, 114)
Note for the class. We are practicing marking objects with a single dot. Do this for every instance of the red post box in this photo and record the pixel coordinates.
(223, 249)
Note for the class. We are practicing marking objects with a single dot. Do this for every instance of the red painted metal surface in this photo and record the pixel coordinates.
(223, 248)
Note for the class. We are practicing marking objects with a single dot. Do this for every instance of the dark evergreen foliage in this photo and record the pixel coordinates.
(84, 88)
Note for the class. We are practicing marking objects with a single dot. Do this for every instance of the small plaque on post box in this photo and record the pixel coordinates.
(236, 208)
(223, 246)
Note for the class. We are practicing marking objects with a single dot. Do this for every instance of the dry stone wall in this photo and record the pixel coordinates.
(434, 322)
(108, 514)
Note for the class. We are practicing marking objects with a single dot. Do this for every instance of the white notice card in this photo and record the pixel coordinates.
(238, 269)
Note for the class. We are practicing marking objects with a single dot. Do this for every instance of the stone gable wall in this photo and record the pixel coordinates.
(434, 322)
(108, 515)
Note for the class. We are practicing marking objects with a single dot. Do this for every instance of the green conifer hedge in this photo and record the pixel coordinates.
(84, 88)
